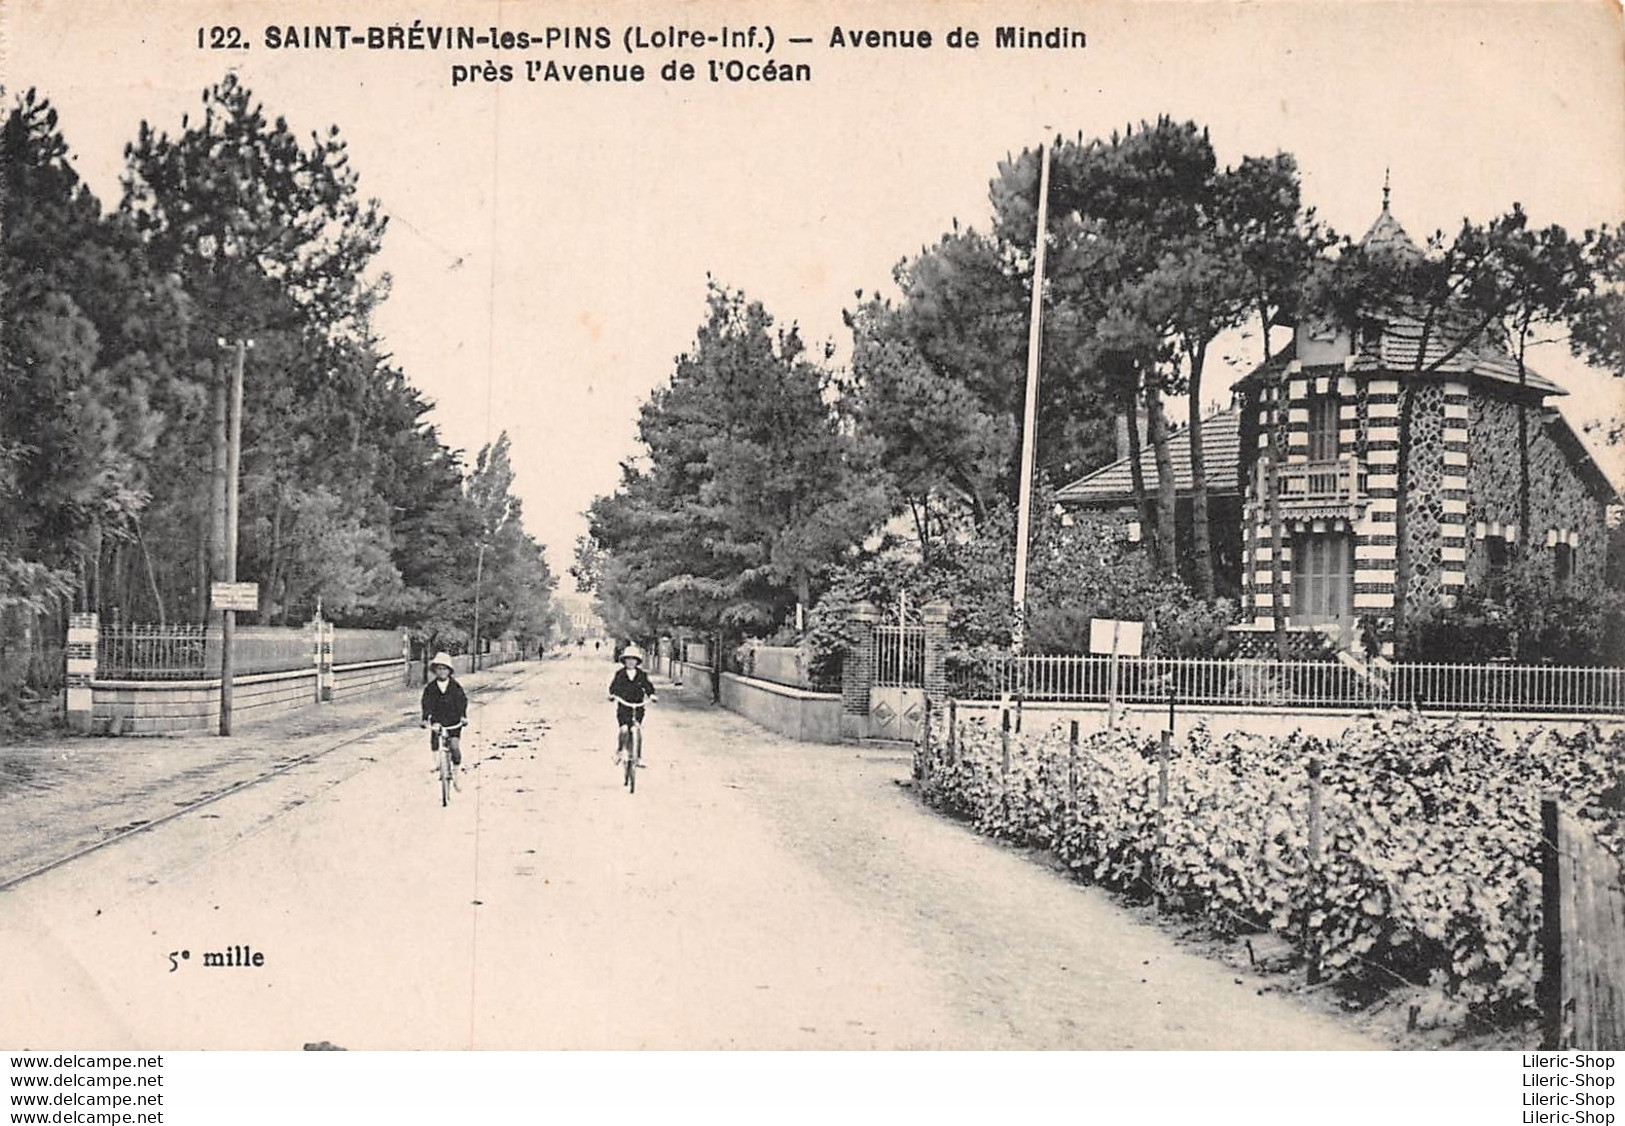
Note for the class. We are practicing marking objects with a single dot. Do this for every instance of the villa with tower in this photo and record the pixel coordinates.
(1321, 421)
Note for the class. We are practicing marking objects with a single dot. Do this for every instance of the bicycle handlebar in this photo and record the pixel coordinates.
(629, 703)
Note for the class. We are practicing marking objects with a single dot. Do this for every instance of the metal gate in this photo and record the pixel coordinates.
(897, 695)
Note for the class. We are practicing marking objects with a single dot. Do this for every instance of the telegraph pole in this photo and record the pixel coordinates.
(1029, 418)
(234, 453)
(479, 573)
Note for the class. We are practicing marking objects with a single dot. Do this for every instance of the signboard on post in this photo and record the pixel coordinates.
(1123, 639)
(1119, 639)
(235, 596)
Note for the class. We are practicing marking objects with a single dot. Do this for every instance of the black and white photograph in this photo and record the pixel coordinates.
(825, 528)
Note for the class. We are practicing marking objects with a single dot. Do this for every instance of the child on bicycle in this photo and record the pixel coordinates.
(445, 704)
(630, 689)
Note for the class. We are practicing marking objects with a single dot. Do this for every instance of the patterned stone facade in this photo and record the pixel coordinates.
(1461, 488)
(1561, 507)
(1424, 492)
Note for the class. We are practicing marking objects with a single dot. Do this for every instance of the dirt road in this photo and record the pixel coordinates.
(754, 893)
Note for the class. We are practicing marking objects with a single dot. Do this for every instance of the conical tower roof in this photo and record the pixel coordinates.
(1386, 233)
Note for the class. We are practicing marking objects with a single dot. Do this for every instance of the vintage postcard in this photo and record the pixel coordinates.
(562, 525)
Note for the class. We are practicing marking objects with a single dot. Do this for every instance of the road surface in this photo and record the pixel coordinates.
(754, 893)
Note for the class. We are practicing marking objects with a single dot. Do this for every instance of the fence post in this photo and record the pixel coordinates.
(1311, 939)
(924, 772)
(1072, 767)
(953, 733)
(1550, 990)
(935, 674)
(84, 636)
(857, 671)
(1004, 745)
(325, 655)
(1163, 748)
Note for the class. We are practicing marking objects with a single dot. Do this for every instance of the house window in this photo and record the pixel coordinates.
(1322, 578)
(1323, 424)
(1498, 559)
(1563, 563)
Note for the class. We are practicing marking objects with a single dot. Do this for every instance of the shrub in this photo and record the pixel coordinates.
(1429, 834)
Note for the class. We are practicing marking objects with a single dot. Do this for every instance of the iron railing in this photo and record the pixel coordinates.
(1333, 487)
(899, 656)
(152, 652)
(1304, 684)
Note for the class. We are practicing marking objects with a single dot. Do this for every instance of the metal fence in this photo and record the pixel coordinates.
(192, 652)
(151, 652)
(899, 656)
(1309, 684)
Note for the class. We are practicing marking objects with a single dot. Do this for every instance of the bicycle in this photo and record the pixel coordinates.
(440, 744)
(629, 743)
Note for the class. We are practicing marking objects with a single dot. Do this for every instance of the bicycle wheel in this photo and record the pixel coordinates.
(445, 777)
(634, 758)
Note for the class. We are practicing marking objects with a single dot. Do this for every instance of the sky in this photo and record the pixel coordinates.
(550, 243)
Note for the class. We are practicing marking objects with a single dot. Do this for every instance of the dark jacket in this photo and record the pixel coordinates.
(633, 689)
(448, 708)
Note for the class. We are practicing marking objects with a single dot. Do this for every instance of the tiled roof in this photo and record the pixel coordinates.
(1387, 234)
(1563, 435)
(1221, 450)
(1395, 351)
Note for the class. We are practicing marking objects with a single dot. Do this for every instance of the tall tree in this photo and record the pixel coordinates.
(82, 358)
(753, 487)
(272, 240)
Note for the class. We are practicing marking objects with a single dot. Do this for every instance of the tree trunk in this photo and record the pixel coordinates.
(1202, 541)
(152, 579)
(1157, 432)
(1402, 547)
(279, 607)
(1523, 446)
(1142, 501)
(217, 486)
(716, 671)
(200, 563)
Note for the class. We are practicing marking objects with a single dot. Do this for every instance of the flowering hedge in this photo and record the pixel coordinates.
(1429, 833)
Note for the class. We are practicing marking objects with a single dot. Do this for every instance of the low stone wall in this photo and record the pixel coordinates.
(368, 676)
(779, 664)
(129, 707)
(145, 707)
(696, 683)
(812, 717)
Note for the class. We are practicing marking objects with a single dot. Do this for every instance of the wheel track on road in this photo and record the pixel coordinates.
(235, 788)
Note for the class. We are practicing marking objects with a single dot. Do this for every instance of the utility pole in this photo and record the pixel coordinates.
(234, 453)
(479, 574)
(1029, 418)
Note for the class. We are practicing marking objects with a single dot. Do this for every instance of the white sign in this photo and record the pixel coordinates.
(1107, 635)
(235, 596)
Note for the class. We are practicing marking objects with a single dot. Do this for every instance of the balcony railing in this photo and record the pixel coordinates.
(1333, 488)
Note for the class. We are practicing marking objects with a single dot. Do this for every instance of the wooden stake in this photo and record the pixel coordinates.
(1551, 930)
(1310, 937)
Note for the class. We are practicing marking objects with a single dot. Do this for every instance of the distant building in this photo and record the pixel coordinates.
(1108, 493)
(584, 620)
